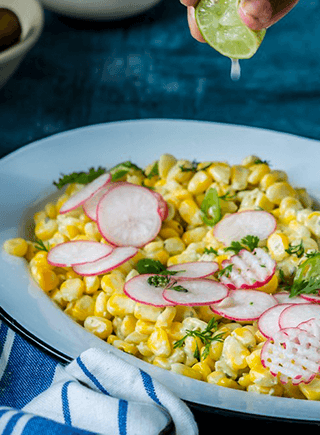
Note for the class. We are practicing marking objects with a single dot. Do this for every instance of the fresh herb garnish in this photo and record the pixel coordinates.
(207, 336)
(147, 265)
(225, 271)
(210, 251)
(154, 171)
(79, 177)
(210, 207)
(40, 246)
(311, 286)
(194, 167)
(227, 196)
(249, 242)
(122, 169)
(162, 277)
(261, 162)
(165, 281)
(298, 249)
(307, 277)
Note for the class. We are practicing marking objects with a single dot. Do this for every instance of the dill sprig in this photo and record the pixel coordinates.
(207, 336)
(40, 246)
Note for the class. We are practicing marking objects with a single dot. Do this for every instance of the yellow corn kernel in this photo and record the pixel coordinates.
(174, 225)
(262, 376)
(183, 312)
(235, 353)
(56, 239)
(39, 216)
(293, 391)
(204, 313)
(165, 163)
(51, 210)
(56, 296)
(257, 171)
(112, 283)
(167, 233)
(154, 246)
(144, 327)
(70, 231)
(177, 356)
(253, 360)
(271, 178)
(304, 197)
(72, 289)
(244, 381)
(184, 370)
(277, 244)
(40, 259)
(126, 347)
(175, 259)
(175, 331)
(220, 172)
(16, 246)
(83, 308)
(162, 255)
(279, 190)
(192, 346)
(229, 383)
(91, 230)
(81, 237)
(312, 222)
(194, 235)
(72, 274)
(203, 369)
(215, 377)
(271, 286)
(147, 312)
(299, 230)
(161, 362)
(159, 343)
(112, 338)
(100, 308)
(276, 390)
(128, 325)
(199, 183)
(245, 336)
(45, 229)
(165, 318)
(61, 200)
(215, 350)
(239, 175)
(136, 337)
(288, 209)
(92, 283)
(175, 173)
(120, 305)
(250, 160)
(174, 246)
(190, 212)
(98, 326)
(228, 206)
(44, 277)
(220, 258)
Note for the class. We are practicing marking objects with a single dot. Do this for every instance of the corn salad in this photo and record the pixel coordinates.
(150, 333)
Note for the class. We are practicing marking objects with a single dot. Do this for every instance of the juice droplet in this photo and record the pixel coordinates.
(235, 69)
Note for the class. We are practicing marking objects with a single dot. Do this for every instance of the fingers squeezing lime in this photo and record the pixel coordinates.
(223, 29)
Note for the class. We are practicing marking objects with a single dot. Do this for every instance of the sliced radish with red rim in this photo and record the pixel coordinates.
(292, 354)
(192, 270)
(200, 291)
(85, 193)
(127, 215)
(77, 252)
(118, 256)
(162, 205)
(284, 298)
(248, 270)
(268, 322)
(244, 305)
(139, 289)
(292, 316)
(311, 298)
(236, 226)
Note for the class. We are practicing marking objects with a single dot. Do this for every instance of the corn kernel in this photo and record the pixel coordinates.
(99, 326)
(175, 173)
(16, 246)
(182, 369)
(277, 244)
(174, 246)
(165, 318)
(234, 353)
(112, 283)
(44, 277)
(83, 308)
(220, 172)
(253, 360)
(39, 216)
(72, 289)
(271, 178)
(165, 163)
(100, 308)
(147, 312)
(136, 337)
(203, 369)
(167, 233)
(229, 383)
(126, 347)
(263, 377)
(174, 225)
(271, 286)
(144, 327)
(159, 343)
(257, 171)
(128, 325)
(92, 283)
(239, 175)
(120, 305)
(199, 183)
(162, 362)
(245, 336)
(50, 210)
(91, 230)
(190, 212)
(279, 190)
(194, 235)
(45, 229)
(312, 222)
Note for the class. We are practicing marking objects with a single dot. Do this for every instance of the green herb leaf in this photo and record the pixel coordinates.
(307, 277)
(147, 265)
(119, 174)
(226, 271)
(40, 246)
(210, 208)
(210, 251)
(154, 171)
(311, 286)
(249, 242)
(79, 177)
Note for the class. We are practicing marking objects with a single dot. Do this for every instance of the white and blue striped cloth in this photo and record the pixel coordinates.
(98, 393)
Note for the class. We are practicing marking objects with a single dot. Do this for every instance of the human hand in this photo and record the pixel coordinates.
(256, 14)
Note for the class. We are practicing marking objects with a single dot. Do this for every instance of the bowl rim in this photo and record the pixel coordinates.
(22, 47)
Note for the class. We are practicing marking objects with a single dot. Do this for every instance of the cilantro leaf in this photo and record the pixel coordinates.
(79, 177)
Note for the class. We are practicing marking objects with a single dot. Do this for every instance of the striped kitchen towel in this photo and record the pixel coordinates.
(97, 393)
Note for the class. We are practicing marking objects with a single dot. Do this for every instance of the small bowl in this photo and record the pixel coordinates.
(99, 10)
(31, 17)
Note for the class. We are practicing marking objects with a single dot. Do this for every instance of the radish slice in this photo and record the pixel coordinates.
(293, 354)
(90, 206)
(268, 322)
(162, 205)
(117, 257)
(85, 193)
(292, 316)
(77, 252)
(236, 226)
(196, 269)
(312, 326)
(138, 289)
(127, 215)
(284, 298)
(248, 269)
(200, 291)
(311, 298)
(244, 305)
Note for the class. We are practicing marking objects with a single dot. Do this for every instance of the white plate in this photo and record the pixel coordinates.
(26, 178)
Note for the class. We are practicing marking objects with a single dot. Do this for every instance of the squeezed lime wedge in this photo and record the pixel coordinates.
(223, 29)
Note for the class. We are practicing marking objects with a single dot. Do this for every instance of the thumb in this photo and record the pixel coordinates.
(260, 14)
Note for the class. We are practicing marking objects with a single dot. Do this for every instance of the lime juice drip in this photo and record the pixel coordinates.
(235, 70)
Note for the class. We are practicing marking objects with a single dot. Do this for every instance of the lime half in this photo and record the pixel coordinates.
(223, 29)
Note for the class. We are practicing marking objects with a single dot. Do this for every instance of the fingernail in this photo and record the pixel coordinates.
(255, 13)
